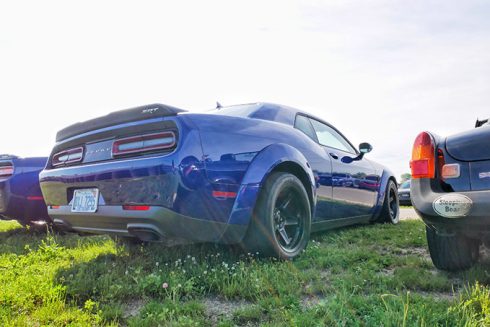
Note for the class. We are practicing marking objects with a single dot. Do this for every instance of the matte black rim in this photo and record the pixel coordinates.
(393, 204)
(288, 219)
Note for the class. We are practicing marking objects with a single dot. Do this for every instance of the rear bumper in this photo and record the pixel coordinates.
(475, 219)
(404, 198)
(155, 224)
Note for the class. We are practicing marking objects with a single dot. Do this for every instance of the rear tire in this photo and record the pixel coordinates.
(281, 222)
(390, 213)
(452, 252)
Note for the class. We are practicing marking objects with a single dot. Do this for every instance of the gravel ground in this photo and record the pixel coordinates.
(408, 213)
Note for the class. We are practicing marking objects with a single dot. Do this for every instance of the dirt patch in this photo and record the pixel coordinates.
(217, 307)
(417, 251)
(133, 308)
(441, 296)
(310, 301)
(388, 272)
(325, 274)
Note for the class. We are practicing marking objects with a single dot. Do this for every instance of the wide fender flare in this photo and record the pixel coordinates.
(258, 171)
(272, 156)
(385, 178)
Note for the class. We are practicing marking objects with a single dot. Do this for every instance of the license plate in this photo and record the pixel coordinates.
(85, 200)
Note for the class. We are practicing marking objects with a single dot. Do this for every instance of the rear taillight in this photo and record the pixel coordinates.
(143, 143)
(68, 156)
(135, 207)
(224, 195)
(423, 161)
(6, 171)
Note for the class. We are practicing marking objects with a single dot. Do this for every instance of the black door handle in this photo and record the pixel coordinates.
(333, 155)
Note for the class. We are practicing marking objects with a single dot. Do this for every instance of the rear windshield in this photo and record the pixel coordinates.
(244, 110)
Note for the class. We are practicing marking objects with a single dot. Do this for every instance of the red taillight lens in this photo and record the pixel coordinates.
(223, 195)
(423, 161)
(6, 171)
(136, 207)
(68, 156)
(35, 198)
(143, 143)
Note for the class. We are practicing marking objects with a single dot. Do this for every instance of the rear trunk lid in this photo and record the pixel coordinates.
(118, 117)
(473, 145)
(130, 133)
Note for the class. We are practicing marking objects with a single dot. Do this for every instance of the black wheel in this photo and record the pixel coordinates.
(453, 251)
(281, 222)
(390, 213)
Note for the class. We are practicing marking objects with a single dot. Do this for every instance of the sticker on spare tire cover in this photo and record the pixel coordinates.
(452, 205)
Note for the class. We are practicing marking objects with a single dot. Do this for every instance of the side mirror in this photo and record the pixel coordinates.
(365, 148)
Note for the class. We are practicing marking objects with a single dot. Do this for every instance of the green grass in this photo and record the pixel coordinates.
(377, 275)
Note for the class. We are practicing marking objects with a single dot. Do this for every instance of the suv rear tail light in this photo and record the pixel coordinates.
(6, 171)
(423, 161)
(143, 143)
(68, 156)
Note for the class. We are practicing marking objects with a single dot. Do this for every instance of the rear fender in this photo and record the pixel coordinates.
(260, 168)
(385, 178)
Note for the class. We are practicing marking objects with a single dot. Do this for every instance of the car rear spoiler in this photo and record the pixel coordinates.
(118, 117)
(481, 122)
(8, 157)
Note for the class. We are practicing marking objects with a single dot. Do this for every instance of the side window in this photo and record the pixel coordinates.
(329, 137)
(303, 124)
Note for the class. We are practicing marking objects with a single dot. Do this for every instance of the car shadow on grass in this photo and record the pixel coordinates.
(19, 240)
(16, 238)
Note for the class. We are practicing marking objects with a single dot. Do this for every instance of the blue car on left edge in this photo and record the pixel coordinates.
(262, 175)
(20, 195)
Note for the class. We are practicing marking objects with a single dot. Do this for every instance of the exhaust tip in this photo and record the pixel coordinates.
(146, 233)
(61, 225)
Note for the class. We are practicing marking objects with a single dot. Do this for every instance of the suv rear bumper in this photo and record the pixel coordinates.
(156, 224)
(474, 222)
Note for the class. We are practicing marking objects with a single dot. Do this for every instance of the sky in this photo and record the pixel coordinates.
(380, 71)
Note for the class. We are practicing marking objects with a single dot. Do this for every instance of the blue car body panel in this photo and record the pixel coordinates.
(20, 195)
(218, 152)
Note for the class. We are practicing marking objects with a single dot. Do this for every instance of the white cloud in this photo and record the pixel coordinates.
(381, 71)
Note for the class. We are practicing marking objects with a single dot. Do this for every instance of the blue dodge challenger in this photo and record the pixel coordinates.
(261, 175)
(20, 194)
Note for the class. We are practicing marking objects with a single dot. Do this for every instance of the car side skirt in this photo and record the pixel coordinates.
(337, 223)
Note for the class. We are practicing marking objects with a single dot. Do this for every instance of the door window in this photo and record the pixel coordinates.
(327, 136)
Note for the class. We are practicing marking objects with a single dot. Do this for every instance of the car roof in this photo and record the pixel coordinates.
(264, 110)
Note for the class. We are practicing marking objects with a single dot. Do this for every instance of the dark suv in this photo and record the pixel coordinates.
(451, 192)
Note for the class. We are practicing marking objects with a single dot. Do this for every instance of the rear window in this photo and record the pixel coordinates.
(244, 110)
(303, 124)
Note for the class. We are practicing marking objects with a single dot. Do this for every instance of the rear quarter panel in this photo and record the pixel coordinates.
(21, 193)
